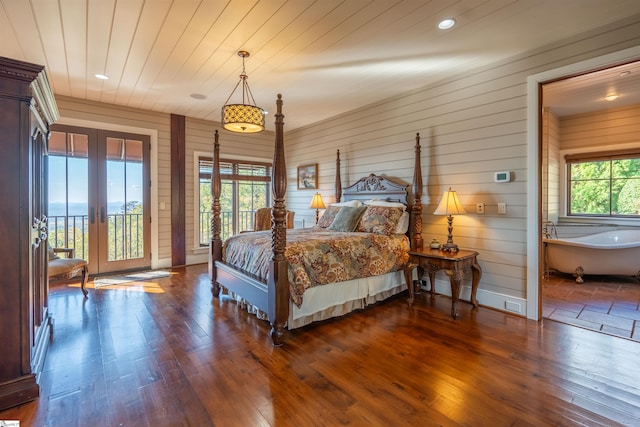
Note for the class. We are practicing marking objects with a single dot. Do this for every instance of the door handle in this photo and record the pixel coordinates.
(92, 215)
(102, 215)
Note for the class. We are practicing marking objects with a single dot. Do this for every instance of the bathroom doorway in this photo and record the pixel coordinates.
(588, 112)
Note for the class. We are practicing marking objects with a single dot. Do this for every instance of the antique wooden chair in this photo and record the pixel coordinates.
(64, 269)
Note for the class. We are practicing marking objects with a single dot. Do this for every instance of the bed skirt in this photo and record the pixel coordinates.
(335, 299)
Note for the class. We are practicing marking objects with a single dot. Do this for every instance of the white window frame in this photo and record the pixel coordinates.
(630, 221)
(196, 191)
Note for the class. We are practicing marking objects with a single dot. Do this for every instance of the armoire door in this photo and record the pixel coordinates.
(40, 329)
(27, 109)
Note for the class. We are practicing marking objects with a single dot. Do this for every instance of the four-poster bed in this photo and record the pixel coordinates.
(369, 270)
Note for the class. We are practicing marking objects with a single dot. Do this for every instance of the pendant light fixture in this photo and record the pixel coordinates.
(245, 117)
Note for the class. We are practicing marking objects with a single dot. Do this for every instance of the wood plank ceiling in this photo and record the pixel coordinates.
(325, 56)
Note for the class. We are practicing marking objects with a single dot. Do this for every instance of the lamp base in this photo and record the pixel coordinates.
(449, 247)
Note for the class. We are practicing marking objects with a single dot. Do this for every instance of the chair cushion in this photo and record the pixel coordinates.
(65, 268)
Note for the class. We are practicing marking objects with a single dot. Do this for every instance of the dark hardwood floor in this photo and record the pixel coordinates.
(167, 354)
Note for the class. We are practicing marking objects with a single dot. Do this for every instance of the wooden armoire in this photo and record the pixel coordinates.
(27, 109)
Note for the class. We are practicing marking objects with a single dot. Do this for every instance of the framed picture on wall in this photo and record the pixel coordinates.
(308, 177)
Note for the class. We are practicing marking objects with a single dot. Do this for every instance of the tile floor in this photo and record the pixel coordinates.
(610, 304)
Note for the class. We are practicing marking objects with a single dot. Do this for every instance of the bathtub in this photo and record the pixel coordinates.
(607, 253)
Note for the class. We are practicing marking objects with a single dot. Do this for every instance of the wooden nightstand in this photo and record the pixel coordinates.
(453, 263)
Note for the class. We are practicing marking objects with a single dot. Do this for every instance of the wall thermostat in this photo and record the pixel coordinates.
(503, 176)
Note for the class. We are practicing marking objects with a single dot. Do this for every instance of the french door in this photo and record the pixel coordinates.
(99, 199)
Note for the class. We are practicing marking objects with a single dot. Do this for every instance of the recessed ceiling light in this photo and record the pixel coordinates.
(447, 23)
(625, 73)
(101, 76)
(198, 96)
(611, 97)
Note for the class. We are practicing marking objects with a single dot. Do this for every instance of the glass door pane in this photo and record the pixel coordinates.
(123, 221)
(123, 201)
(68, 188)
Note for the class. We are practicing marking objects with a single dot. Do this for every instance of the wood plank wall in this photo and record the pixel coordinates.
(108, 116)
(610, 129)
(473, 124)
(550, 167)
(596, 131)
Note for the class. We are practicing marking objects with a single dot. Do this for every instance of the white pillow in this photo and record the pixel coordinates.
(403, 223)
(351, 203)
(375, 202)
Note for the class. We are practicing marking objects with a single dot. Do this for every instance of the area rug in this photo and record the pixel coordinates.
(138, 276)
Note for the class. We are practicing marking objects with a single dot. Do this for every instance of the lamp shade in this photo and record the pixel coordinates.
(449, 204)
(243, 118)
(317, 202)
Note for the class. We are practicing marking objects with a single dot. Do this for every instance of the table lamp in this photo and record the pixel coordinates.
(449, 205)
(317, 204)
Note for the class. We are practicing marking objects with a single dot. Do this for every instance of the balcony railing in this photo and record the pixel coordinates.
(70, 232)
(125, 235)
(125, 232)
(226, 227)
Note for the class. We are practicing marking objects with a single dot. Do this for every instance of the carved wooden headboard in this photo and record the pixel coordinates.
(376, 187)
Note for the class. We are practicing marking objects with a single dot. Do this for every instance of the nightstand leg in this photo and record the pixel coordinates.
(455, 277)
(408, 277)
(432, 282)
(477, 274)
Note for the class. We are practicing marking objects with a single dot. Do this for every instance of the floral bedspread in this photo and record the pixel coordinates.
(319, 257)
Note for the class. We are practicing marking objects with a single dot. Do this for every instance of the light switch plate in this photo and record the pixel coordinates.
(480, 207)
(502, 208)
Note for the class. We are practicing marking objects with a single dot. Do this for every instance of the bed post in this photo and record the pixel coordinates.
(338, 181)
(278, 280)
(215, 246)
(416, 209)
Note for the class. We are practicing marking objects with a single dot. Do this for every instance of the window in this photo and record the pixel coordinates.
(245, 187)
(604, 184)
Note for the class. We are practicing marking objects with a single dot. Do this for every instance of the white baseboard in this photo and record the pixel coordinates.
(197, 258)
(161, 263)
(493, 300)
(191, 260)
